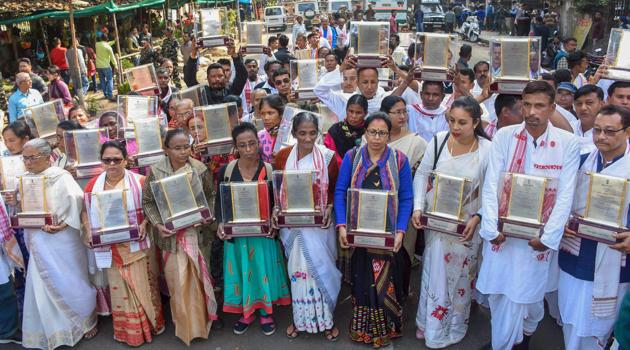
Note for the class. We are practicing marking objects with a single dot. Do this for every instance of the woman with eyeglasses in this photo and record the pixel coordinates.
(450, 260)
(379, 277)
(193, 305)
(133, 288)
(311, 252)
(344, 135)
(271, 111)
(60, 301)
(254, 272)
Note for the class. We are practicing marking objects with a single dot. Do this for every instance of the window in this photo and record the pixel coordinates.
(273, 11)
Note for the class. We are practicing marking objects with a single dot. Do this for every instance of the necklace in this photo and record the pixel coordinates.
(472, 146)
(112, 184)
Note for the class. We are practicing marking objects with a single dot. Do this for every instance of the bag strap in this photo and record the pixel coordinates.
(229, 169)
(437, 152)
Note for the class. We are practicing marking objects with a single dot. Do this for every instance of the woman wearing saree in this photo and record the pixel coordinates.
(136, 305)
(450, 262)
(254, 272)
(193, 306)
(271, 110)
(312, 251)
(60, 301)
(379, 284)
(344, 135)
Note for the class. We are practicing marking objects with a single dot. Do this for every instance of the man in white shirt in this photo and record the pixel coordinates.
(514, 271)
(253, 79)
(428, 117)
(594, 276)
(298, 28)
(589, 99)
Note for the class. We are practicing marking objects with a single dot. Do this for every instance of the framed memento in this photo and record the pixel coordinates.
(406, 39)
(181, 200)
(511, 60)
(216, 131)
(522, 203)
(143, 80)
(213, 25)
(303, 54)
(245, 208)
(602, 204)
(371, 218)
(432, 51)
(32, 211)
(369, 42)
(44, 118)
(83, 149)
(11, 168)
(329, 118)
(299, 198)
(445, 207)
(196, 93)
(252, 38)
(112, 219)
(285, 137)
(305, 74)
(137, 107)
(618, 55)
(385, 78)
(148, 139)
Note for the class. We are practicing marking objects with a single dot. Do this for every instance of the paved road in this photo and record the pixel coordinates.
(548, 336)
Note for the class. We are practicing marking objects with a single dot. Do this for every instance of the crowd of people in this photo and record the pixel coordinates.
(396, 134)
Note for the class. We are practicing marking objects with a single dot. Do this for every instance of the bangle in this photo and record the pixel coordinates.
(340, 225)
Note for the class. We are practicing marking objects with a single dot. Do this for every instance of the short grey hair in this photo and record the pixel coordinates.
(185, 103)
(20, 77)
(42, 146)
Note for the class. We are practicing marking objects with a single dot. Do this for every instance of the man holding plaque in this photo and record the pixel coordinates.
(592, 272)
(514, 271)
(217, 87)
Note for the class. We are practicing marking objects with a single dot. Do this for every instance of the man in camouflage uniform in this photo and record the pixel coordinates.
(148, 54)
(170, 49)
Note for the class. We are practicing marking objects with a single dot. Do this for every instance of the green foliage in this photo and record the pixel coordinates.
(124, 89)
(126, 64)
(92, 106)
(590, 6)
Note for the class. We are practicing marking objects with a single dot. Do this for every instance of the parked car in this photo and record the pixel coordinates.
(383, 14)
(308, 10)
(336, 5)
(433, 15)
(275, 17)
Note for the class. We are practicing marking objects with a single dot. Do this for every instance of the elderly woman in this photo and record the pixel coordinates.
(378, 276)
(193, 305)
(315, 280)
(60, 301)
(271, 110)
(137, 314)
(183, 111)
(253, 270)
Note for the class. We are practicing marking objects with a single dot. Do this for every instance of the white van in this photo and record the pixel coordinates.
(275, 17)
(336, 5)
(308, 10)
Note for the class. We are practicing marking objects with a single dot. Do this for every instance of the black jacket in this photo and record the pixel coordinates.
(283, 55)
(216, 96)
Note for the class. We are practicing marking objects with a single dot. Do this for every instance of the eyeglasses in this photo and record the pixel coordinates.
(31, 158)
(185, 114)
(376, 133)
(399, 113)
(247, 145)
(607, 132)
(111, 161)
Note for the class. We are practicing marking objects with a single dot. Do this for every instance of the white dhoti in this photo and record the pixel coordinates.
(583, 331)
(511, 320)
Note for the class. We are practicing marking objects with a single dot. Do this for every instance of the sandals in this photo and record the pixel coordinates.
(91, 333)
(330, 334)
(292, 332)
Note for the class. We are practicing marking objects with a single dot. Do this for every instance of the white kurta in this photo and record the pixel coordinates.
(586, 138)
(60, 301)
(450, 266)
(513, 272)
(568, 116)
(327, 92)
(427, 122)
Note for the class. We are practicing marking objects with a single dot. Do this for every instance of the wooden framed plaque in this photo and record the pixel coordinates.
(83, 148)
(218, 122)
(371, 218)
(196, 93)
(214, 27)
(525, 196)
(446, 213)
(245, 208)
(33, 206)
(433, 53)
(111, 220)
(148, 138)
(305, 74)
(11, 168)
(181, 200)
(285, 137)
(143, 80)
(606, 204)
(44, 118)
(137, 107)
(511, 62)
(252, 38)
(618, 55)
(299, 198)
(369, 42)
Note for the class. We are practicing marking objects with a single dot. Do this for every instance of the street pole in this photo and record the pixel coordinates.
(118, 49)
(77, 80)
(238, 20)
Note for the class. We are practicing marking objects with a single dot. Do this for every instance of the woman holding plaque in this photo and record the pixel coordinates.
(379, 277)
(199, 135)
(193, 305)
(271, 111)
(312, 251)
(137, 308)
(344, 135)
(60, 301)
(254, 272)
(450, 260)
(113, 121)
